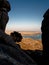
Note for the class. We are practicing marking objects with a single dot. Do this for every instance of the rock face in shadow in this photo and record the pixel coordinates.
(4, 9)
(14, 55)
(5, 4)
(35, 54)
(10, 53)
(17, 37)
(45, 37)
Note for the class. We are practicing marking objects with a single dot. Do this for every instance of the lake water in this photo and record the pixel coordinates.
(36, 37)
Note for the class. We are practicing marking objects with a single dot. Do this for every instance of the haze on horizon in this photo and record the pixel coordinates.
(26, 15)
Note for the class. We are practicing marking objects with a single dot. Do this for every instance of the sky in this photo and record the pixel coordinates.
(26, 15)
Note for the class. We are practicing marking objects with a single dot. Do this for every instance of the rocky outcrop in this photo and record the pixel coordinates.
(17, 37)
(45, 37)
(10, 53)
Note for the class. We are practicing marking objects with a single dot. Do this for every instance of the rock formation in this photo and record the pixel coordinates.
(10, 53)
(16, 36)
(45, 37)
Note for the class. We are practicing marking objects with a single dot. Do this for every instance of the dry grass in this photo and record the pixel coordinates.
(30, 44)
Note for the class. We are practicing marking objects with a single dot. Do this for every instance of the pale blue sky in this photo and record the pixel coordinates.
(26, 15)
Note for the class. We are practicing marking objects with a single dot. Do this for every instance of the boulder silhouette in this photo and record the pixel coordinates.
(16, 36)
